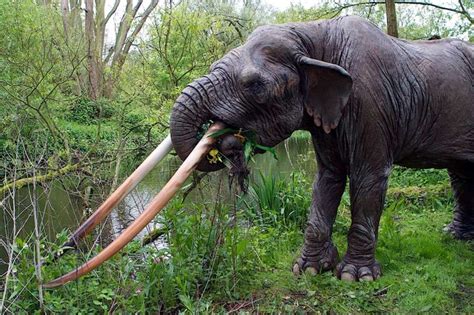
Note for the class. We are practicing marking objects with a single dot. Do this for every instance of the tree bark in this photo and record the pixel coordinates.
(65, 17)
(391, 13)
(92, 68)
(124, 41)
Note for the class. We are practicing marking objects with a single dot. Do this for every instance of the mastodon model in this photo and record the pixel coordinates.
(369, 101)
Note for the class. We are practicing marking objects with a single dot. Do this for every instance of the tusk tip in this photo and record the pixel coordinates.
(57, 282)
(50, 285)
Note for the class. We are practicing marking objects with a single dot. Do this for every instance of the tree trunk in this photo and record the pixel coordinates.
(65, 17)
(95, 80)
(125, 37)
(392, 28)
(91, 58)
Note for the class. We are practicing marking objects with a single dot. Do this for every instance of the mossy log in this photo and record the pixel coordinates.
(19, 183)
(153, 235)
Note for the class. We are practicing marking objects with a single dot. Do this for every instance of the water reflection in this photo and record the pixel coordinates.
(60, 209)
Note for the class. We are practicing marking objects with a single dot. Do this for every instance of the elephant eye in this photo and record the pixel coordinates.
(256, 90)
(254, 86)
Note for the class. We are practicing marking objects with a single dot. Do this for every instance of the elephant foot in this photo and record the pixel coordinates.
(460, 231)
(325, 260)
(350, 272)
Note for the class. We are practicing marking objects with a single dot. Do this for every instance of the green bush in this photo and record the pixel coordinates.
(134, 120)
(83, 136)
(87, 111)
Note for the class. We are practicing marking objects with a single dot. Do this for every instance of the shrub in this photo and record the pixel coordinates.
(87, 111)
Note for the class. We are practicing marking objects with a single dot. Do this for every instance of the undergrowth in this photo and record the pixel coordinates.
(237, 258)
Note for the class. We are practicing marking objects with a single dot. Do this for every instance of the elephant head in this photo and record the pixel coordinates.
(270, 86)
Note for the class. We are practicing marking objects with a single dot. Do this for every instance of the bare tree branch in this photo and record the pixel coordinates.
(111, 12)
(462, 11)
(139, 26)
(122, 32)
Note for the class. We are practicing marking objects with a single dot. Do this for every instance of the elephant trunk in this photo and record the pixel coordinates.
(189, 119)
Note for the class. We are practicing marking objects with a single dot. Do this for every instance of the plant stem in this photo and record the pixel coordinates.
(39, 277)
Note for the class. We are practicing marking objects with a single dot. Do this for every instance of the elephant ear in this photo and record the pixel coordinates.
(327, 88)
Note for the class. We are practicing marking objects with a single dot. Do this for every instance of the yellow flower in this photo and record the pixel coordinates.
(213, 157)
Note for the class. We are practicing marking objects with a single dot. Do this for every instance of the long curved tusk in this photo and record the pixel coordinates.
(158, 203)
(117, 196)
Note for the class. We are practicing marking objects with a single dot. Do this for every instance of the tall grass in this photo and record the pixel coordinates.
(278, 201)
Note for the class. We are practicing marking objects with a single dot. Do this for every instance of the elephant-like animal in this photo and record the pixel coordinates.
(369, 101)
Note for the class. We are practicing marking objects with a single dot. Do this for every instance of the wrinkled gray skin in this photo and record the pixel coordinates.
(369, 101)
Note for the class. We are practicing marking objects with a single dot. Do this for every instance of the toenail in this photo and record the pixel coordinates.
(311, 270)
(363, 272)
(347, 276)
(366, 278)
(296, 270)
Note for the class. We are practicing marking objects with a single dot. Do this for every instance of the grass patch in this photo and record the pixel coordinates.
(222, 259)
(424, 270)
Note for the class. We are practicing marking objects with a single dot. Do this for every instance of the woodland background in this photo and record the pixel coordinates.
(86, 89)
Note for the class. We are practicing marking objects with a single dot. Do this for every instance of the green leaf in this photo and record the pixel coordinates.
(187, 302)
(248, 150)
(241, 246)
(222, 132)
(267, 149)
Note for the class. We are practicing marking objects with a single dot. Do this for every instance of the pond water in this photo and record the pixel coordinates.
(59, 207)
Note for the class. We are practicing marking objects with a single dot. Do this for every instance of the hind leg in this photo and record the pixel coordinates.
(462, 183)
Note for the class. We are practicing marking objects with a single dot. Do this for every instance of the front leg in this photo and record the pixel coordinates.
(368, 187)
(319, 253)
